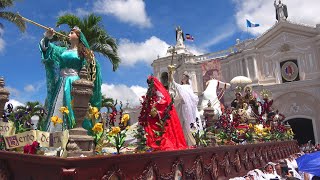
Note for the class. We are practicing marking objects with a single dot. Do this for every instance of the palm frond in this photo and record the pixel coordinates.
(5, 3)
(68, 19)
(14, 18)
(108, 53)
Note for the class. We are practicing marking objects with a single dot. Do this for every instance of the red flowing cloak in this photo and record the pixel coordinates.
(173, 137)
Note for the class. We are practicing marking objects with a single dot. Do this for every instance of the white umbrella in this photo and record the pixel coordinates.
(240, 80)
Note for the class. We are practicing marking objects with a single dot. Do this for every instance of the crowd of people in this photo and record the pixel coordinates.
(309, 147)
(284, 169)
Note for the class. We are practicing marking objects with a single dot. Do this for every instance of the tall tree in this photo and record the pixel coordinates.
(10, 16)
(98, 38)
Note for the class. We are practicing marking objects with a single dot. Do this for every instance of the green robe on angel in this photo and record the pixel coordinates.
(62, 68)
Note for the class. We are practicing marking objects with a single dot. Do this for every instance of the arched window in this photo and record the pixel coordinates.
(164, 79)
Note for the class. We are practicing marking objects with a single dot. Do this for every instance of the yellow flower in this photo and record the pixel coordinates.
(125, 118)
(55, 120)
(250, 126)
(114, 131)
(264, 134)
(128, 127)
(97, 128)
(64, 109)
(267, 129)
(94, 113)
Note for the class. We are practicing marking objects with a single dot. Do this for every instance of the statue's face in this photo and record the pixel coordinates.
(185, 79)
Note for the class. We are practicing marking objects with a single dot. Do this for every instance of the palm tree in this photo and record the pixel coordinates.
(107, 102)
(10, 16)
(28, 111)
(97, 37)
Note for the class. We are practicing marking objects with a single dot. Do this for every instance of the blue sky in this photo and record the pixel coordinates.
(143, 29)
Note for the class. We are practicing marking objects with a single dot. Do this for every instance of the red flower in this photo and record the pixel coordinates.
(26, 149)
(31, 149)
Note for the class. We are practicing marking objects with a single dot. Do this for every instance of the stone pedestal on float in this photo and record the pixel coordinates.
(209, 116)
(79, 142)
(4, 97)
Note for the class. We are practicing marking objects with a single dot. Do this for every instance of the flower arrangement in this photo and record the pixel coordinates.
(31, 148)
(117, 137)
(264, 123)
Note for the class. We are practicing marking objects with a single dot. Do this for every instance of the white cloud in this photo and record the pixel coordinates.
(263, 13)
(15, 103)
(133, 52)
(2, 43)
(124, 93)
(29, 88)
(128, 11)
(220, 37)
(13, 91)
(140, 91)
(79, 12)
(195, 50)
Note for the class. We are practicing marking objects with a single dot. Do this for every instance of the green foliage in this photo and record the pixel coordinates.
(141, 137)
(118, 139)
(23, 114)
(14, 18)
(201, 138)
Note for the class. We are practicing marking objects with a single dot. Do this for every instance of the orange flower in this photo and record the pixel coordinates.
(55, 120)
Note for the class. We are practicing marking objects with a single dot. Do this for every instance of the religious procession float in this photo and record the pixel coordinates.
(73, 139)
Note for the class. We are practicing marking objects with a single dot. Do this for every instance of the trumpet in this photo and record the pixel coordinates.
(42, 26)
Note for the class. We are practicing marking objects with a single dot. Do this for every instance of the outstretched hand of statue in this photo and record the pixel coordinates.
(49, 33)
(171, 70)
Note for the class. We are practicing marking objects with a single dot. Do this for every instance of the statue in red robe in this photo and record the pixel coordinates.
(160, 120)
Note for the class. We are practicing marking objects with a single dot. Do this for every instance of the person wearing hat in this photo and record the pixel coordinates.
(62, 65)
(270, 172)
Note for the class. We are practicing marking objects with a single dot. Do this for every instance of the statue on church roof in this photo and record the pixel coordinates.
(281, 11)
(179, 37)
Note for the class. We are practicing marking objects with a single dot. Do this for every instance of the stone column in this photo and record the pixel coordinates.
(255, 73)
(79, 141)
(4, 96)
(247, 67)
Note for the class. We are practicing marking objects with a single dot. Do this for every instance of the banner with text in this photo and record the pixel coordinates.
(7, 128)
(46, 139)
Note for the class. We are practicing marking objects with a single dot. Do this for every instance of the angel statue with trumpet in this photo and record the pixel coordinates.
(62, 65)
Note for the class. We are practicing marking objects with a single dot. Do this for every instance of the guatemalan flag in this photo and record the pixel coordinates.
(250, 24)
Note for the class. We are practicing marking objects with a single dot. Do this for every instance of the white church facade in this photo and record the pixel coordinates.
(284, 60)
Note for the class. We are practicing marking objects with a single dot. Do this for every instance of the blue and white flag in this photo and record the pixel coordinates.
(250, 24)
